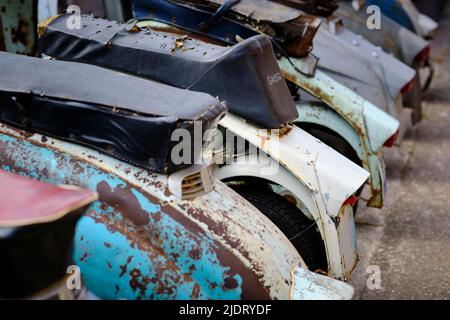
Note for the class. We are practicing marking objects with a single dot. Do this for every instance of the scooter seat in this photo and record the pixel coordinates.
(246, 75)
(292, 29)
(124, 116)
(26, 201)
(40, 219)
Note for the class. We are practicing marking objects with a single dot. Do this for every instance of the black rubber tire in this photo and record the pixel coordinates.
(331, 139)
(291, 221)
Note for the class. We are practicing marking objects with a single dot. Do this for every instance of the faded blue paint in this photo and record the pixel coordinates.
(18, 25)
(110, 253)
(377, 125)
(162, 250)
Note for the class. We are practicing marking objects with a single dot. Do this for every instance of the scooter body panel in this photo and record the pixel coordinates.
(141, 242)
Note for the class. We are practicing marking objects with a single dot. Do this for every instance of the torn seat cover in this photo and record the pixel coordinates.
(124, 116)
(245, 75)
(38, 222)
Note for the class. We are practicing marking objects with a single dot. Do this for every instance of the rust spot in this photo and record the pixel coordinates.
(179, 44)
(195, 254)
(284, 131)
(138, 282)
(230, 283)
(20, 33)
(133, 29)
(213, 285)
(84, 257)
(167, 192)
(195, 291)
(123, 200)
(123, 268)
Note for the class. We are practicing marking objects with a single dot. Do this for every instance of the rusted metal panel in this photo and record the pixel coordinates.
(140, 242)
(311, 164)
(308, 285)
(19, 19)
(372, 125)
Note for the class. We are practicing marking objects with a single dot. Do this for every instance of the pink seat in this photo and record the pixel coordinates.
(24, 201)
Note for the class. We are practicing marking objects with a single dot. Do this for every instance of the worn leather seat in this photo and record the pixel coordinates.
(292, 29)
(246, 75)
(37, 226)
(124, 116)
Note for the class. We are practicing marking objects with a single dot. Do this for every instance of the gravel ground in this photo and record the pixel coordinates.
(408, 240)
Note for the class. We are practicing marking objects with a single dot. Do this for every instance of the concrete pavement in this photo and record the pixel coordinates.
(409, 240)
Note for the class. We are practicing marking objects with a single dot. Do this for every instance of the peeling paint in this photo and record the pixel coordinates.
(138, 242)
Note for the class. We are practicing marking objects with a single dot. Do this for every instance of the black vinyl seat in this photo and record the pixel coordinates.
(125, 116)
(246, 75)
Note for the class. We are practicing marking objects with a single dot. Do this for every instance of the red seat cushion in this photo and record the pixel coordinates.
(24, 201)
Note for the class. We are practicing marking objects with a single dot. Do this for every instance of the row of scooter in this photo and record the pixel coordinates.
(204, 150)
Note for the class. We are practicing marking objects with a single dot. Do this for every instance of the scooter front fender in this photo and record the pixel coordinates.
(320, 114)
(360, 113)
(392, 37)
(308, 169)
(141, 242)
(348, 54)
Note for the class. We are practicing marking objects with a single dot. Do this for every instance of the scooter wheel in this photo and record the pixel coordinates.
(301, 231)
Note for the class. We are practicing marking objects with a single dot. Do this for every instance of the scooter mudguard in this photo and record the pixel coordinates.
(359, 113)
(306, 167)
(139, 241)
(424, 25)
(260, 95)
(371, 73)
(404, 44)
(335, 198)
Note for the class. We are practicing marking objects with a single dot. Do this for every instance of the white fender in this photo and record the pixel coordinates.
(316, 174)
(308, 285)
